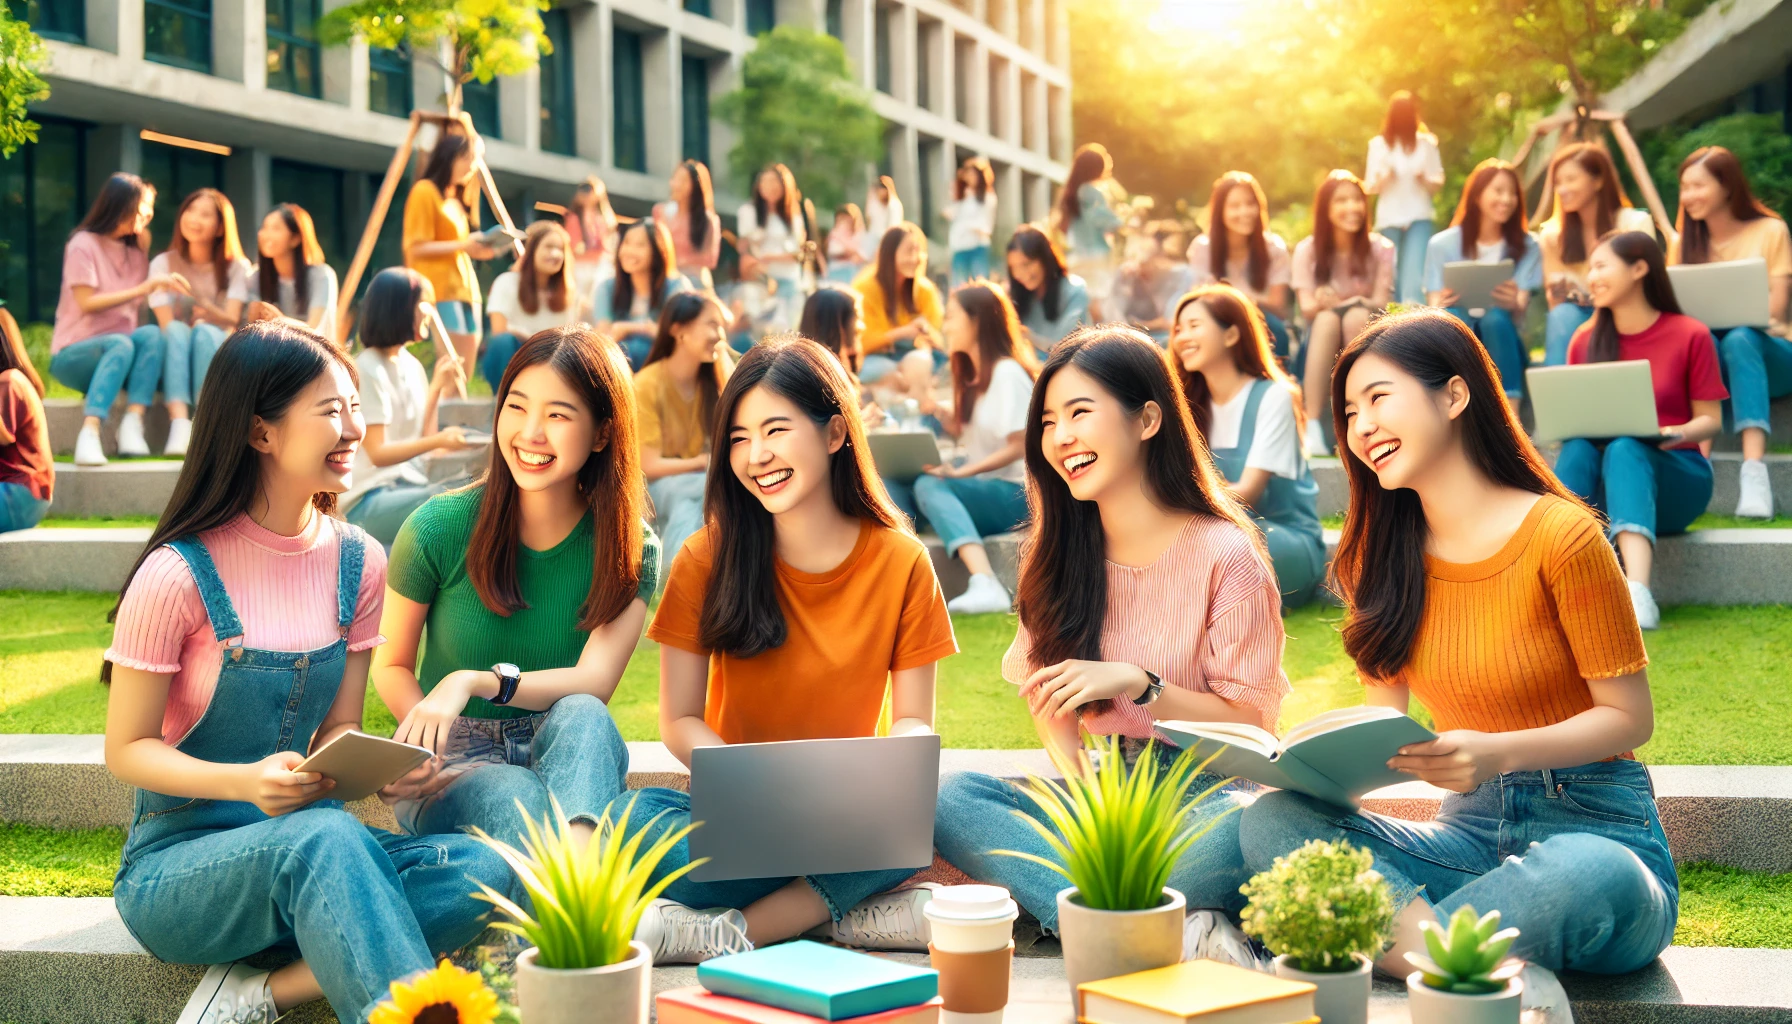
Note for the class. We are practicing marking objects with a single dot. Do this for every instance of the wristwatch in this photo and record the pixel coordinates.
(1154, 685)
(508, 678)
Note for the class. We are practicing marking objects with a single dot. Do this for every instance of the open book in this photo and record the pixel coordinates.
(1335, 757)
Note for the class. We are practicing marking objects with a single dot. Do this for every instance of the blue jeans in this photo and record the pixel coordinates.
(636, 347)
(1499, 336)
(969, 264)
(383, 510)
(678, 510)
(1758, 369)
(1558, 330)
(19, 508)
(963, 510)
(573, 751)
(187, 354)
(99, 367)
(1640, 488)
(459, 316)
(1278, 334)
(1574, 858)
(498, 350)
(840, 892)
(1409, 259)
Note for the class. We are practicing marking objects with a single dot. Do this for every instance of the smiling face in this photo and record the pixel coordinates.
(635, 254)
(1199, 341)
(1610, 280)
(1499, 200)
(466, 163)
(1091, 441)
(550, 254)
(545, 431)
(274, 239)
(1348, 209)
(1240, 214)
(778, 453)
(1396, 425)
(1575, 188)
(1701, 192)
(313, 445)
(771, 187)
(1026, 271)
(700, 337)
(911, 258)
(199, 225)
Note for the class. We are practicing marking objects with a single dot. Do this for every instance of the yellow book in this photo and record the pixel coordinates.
(1203, 991)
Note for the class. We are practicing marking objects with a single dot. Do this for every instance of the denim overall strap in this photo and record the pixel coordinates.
(1291, 504)
(350, 558)
(219, 610)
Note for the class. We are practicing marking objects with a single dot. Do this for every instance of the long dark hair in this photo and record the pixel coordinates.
(306, 255)
(439, 168)
(227, 248)
(389, 309)
(1252, 355)
(1720, 163)
(789, 210)
(1324, 235)
(610, 481)
(1062, 596)
(741, 615)
(1379, 570)
(1594, 160)
(1632, 247)
(560, 284)
(1219, 236)
(660, 265)
(1090, 164)
(119, 200)
(258, 372)
(899, 296)
(681, 309)
(828, 317)
(1401, 126)
(999, 337)
(12, 351)
(702, 202)
(1034, 244)
(984, 174)
(1468, 210)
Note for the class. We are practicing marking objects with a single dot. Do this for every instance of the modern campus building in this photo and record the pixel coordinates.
(239, 95)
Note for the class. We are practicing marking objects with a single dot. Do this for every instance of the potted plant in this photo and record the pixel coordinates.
(1467, 979)
(1116, 833)
(1325, 912)
(446, 995)
(586, 901)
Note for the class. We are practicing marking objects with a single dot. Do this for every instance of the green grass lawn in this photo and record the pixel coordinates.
(94, 522)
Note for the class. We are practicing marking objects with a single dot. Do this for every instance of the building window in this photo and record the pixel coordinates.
(836, 19)
(293, 60)
(480, 101)
(762, 16)
(630, 114)
(884, 60)
(695, 98)
(42, 198)
(927, 152)
(963, 53)
(178, 32)
(557, 118)
(319, 191)
(389, 81)
(53, 19)
(176, 172)
(699, 7)
(926, 37)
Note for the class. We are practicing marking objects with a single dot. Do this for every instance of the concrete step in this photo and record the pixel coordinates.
(64, 417)
(1780, 412)
(69, 558)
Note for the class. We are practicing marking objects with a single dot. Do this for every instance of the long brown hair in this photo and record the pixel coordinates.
(999, 337)
(1379, 570)
(1062, 596)
(789, 208)
(701, 204)
(1632, 247)
(1036, 245)
(984, 174)
(1468, 210)
(12, 351)
(741, 615)
(1324, 235)
(1720, 163)
(308, 254)
(1090, 164)
(1401, 126)
(1219, 237)
(227, 248)
(1252, 355)
(560, 286)
(661, 264)
(828, 319)
(681, 309)
(610, 481)
(899, 296)
(1611, 198)
(118, 201)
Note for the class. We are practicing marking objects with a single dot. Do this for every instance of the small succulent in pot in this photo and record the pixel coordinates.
(1468, 955)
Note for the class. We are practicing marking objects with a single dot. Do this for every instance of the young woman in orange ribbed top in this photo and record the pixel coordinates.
(1475, 581)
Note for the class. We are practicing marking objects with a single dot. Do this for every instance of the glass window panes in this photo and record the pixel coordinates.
(762, 16)
(557, 86)
(42, 198)
(695, 91)
(480, 101)
(699, 7)
(882, 20)
(294, 62)
(178, 32)
(389, 81)
(319, 191)
(176, 171)
(836, 19)
(630, 114)
(53, 19)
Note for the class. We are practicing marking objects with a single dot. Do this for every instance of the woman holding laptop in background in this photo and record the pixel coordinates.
(1721, 220)
(1646, 488)
(1489, 228)
(1589, 204)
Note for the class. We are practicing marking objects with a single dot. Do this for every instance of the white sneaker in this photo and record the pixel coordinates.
(985, 594)
(1543, 994)
(887, 921)
(1209, 935)
(678, 934)
(1755, 500)
(1315, 440)
(1648, 614)
(179, 433)
(231, 994)
(131, 441)
(88, 449)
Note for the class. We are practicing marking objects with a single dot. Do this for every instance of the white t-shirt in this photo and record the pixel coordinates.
(394, 391)
(1276, 446)
(973, 222)
(879, 219)
(999, 412)
(1404, 199)
(772, 238)
(502, 299)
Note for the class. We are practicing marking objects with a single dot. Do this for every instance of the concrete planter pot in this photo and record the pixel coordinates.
(1431, 1006)
(1343, 996)
(1108, 943)
(617, 994)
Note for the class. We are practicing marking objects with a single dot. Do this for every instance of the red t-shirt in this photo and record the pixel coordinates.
(1682, 360)
(24, 436)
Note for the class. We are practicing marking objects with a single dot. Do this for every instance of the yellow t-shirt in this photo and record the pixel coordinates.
(878, 324)
(665, 419)
(428, 217)
(1763, 237)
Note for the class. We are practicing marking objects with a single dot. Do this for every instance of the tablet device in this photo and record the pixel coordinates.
(1723, 295)
(1596, 401)
(362, 765)
(474, 437)
(1474, 282)
(902, 455)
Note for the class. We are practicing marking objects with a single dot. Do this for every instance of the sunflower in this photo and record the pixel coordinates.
(446, 995)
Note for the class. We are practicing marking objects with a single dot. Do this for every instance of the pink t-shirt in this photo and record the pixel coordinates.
(1682, 364)
(283, 589)
(105, 265)
(1378, 276)
(1206, 616)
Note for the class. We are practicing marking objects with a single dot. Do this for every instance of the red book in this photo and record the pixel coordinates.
(697, 1005)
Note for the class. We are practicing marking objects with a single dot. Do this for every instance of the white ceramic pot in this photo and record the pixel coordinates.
(617, 994)
(1430, 1006)
(1343, 996)
(1108, 943)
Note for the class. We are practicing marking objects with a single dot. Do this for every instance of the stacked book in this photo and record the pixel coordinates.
(804, 983)
(1195, 992)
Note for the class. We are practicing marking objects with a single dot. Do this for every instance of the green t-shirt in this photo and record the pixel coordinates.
(429, 566)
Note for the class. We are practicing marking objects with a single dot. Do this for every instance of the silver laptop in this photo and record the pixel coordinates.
(1723, 295)
(1474, 282)
(813, 807)
(902, 455)
(1594, 400)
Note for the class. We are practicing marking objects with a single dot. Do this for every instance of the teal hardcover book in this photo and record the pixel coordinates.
(821, 981)
(1336, 757)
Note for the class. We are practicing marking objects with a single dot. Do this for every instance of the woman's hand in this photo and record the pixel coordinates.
(478, 250)
(272, 785)
(1458, 760)
(1445, 298)
(949, 472)
(449, 374)
(171, 283)
(1068, 685)
(425, 780)
(1505, 294)
(429, 722)
(452, 439)
(1326, 296)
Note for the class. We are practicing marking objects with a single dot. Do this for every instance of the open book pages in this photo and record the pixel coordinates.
(1336, 757)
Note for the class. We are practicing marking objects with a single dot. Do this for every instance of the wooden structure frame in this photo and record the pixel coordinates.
(1581, 125)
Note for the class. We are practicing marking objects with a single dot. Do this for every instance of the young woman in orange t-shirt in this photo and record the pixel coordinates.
(1477, 582)
(788, 617)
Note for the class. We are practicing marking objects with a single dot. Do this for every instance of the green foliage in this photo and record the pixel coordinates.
(799, 104)
(1117, 833)
(1468, 957)
(1321, 907)
(585, 902)
(485, 38)
(1758, 140)
(22, 61)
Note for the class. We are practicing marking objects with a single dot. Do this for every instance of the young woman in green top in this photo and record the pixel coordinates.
(534, 585)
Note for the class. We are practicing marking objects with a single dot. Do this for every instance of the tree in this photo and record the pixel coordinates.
(1758, 140)
(22, 59)
(799, 104)
(485, 38)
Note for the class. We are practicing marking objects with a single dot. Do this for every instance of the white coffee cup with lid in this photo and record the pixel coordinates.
(971, 919)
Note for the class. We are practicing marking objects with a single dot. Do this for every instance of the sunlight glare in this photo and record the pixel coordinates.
(1198, 15)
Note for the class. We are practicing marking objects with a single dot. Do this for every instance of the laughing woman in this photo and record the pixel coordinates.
(533, 584)
(1144, 594)
(1589, 204)
(1343, 274)
(1489, 228)
(1240, 250)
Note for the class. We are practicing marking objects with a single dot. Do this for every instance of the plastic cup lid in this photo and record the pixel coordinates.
(971, 903)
